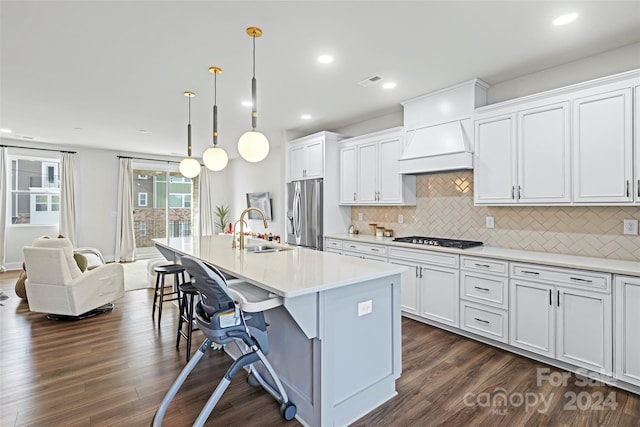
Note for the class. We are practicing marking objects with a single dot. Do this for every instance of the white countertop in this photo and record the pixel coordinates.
(288, 273)
(630, 268)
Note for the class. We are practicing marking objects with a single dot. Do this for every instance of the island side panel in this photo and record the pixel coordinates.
(296, 359)
(360, 353)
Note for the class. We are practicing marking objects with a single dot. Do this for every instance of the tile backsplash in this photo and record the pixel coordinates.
(445, 208)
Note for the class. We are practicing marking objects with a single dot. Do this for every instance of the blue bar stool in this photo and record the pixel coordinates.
(160, 294)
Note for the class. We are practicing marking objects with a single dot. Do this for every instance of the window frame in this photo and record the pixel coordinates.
(44, 190)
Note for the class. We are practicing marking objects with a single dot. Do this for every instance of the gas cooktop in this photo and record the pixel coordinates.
(436, 241)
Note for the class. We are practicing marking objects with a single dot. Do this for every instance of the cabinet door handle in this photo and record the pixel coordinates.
(486, 322)
(578, 279)
(417, 271)
(558, 300)
(482, 289)
(421, 272)
(535, 273)
(550, 302)
(639, 188)
(519, 192)
(482, 265)
(627, 188)
(513, 192)
(354, 196)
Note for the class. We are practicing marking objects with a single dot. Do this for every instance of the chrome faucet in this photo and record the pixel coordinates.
(241, 220)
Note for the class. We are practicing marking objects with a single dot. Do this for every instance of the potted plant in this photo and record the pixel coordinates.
(222, 214)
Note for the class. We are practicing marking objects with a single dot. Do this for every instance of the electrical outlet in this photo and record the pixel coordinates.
(400, 219)
(360, 216)
(365, 307)
(631, 227)
(490, 222)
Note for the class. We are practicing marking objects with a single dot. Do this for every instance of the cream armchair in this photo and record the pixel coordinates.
(55, 285)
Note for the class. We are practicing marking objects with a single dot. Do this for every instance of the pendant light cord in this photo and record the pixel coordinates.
(254, 108)
(215, 109)
(189, 130)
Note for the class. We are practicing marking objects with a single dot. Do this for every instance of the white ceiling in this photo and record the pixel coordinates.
(95, 73)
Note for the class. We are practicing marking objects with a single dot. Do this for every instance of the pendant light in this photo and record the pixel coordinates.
(253, 145)
(215, 158)
(189, 167)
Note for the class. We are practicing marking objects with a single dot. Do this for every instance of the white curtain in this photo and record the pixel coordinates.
(68, 226)
(206, 208)
(125, 238)
(4, 178)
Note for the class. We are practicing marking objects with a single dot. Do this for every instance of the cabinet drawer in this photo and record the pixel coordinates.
(365, 256)
(493, 266)
(425, 256)
(334, 244)
(484, 288)
(365, 248)
(580, 279)
(485, 321)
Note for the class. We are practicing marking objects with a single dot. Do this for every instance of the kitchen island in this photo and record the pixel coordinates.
(335, 342)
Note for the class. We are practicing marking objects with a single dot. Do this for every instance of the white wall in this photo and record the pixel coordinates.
(267, 175)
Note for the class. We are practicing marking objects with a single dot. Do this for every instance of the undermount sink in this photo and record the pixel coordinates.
(264, 249)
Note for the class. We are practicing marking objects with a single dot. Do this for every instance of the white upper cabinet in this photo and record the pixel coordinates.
(637, 145)
(306, 159)
(544, 154)
(569, 146)
(524, 157)
(348, 171)
(369, 171)
(495, 157)
(602, 146)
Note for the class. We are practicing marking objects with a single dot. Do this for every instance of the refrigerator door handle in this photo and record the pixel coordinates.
(296, 212)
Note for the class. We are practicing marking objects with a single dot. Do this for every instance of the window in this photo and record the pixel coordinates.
(179, 200)
(142, 229)
(164, 206)
(34, 191)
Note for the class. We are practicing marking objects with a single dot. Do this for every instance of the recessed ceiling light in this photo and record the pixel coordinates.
(306, 117)
(5, 130)
(389, 85)
(247, 103)
(325, 59)
(565, 19)
(143, 131)
(78, 129)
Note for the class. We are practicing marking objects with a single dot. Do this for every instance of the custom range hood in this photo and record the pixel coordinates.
(438, 131)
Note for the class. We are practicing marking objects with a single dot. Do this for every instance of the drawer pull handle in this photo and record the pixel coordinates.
(486, 322)
(578, 279)
(351, 246)
(482, 265)
(375, 249)
(535, 273)
(482, 289)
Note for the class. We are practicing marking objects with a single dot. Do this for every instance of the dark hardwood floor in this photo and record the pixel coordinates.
(114, 369)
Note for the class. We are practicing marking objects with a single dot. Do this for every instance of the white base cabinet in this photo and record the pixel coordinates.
(432, 288)
(563, 314)
(484, 297)
(627, 329)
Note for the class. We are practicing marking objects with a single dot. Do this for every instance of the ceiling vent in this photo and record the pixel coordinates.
(369, 81)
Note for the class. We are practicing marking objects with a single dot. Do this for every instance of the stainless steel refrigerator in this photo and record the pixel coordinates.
(304, 213)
